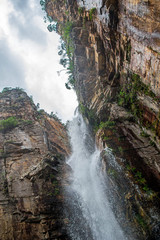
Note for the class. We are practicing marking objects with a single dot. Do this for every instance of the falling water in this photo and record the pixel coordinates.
(92, 217)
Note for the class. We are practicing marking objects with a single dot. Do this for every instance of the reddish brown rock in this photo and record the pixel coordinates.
(115, 48)
(32, 163)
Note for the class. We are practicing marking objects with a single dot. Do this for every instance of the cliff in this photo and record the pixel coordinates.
(117, 79)
(33, 147)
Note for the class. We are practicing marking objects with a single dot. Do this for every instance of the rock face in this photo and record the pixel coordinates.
(117, 71)
(33, 147)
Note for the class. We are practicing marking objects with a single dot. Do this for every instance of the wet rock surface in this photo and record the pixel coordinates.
(32, 166)
(116, 67)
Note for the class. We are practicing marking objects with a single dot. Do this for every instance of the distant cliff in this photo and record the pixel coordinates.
(116, 62)
(33, 147)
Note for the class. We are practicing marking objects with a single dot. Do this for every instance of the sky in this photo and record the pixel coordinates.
(29, 57)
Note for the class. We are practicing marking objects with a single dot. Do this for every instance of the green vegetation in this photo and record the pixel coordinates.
(141, 221)
(12, 122)
(31, 99)
(112, 172)
(26, 122)
(120, 149)
(81, 10)
(128, 51)
(52, 27)
(89, 114)
(66, 51)
(54, 116)
(71, 79)
(108, 124)
(66, 30)
(66, 48)
(47, 18)
(41, 112)
(144, 134)
(8, 124)
(67, 13)
(152, 143)
(128, 99)
(92, 13)
(106, 138)
(141, 87)
(127, 96)
(56, 191)
(6, 89)
(43, 4)
(132, 169)
(142, 182)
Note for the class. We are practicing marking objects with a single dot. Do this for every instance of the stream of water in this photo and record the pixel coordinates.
(92, 217)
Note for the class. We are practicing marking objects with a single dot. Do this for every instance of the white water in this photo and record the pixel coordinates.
(89, 189)
(101, 11)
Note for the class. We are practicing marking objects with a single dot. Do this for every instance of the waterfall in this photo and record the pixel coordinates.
(91, 215)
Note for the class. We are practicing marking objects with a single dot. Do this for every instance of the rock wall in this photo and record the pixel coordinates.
(33, 147)
(117, 72)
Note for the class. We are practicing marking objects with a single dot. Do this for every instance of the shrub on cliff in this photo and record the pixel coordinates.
(8, 124)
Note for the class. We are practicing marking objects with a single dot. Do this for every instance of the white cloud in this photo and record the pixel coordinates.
(32, 54)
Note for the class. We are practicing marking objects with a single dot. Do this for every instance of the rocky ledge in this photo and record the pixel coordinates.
(33, 148)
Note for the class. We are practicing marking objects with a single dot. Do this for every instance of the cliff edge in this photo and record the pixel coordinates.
(33, 147)
(115, 51)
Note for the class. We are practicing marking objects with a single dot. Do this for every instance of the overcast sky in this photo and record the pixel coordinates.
(29, 57)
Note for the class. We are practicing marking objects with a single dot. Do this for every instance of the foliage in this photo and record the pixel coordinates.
(128, 51)
(66, 51)
(31, 99)
(144, 134)
(47, 18)
(152, 143)
(71, 79)
(38, 106)
(66, 35)
(142, 182)
(56, 191)
(108, 124)
(28, 122)
(89, 114)
(41, 111)
(120, 149)
(67, 29)
(81, 10)
(141, 87)
(52, 27)
(12, 122)
(66, 48)
(106, 138)
(141, 221)
(54, 116)
(8, 124)
(6, 89)
(92, 11)
(128, 96)
(43, 4)
(112, 172)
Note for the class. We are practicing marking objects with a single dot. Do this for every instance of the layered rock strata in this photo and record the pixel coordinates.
(116, 67)
(33, 147)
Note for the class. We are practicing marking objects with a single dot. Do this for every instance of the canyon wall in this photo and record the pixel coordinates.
(117, 80)
(33, 147)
